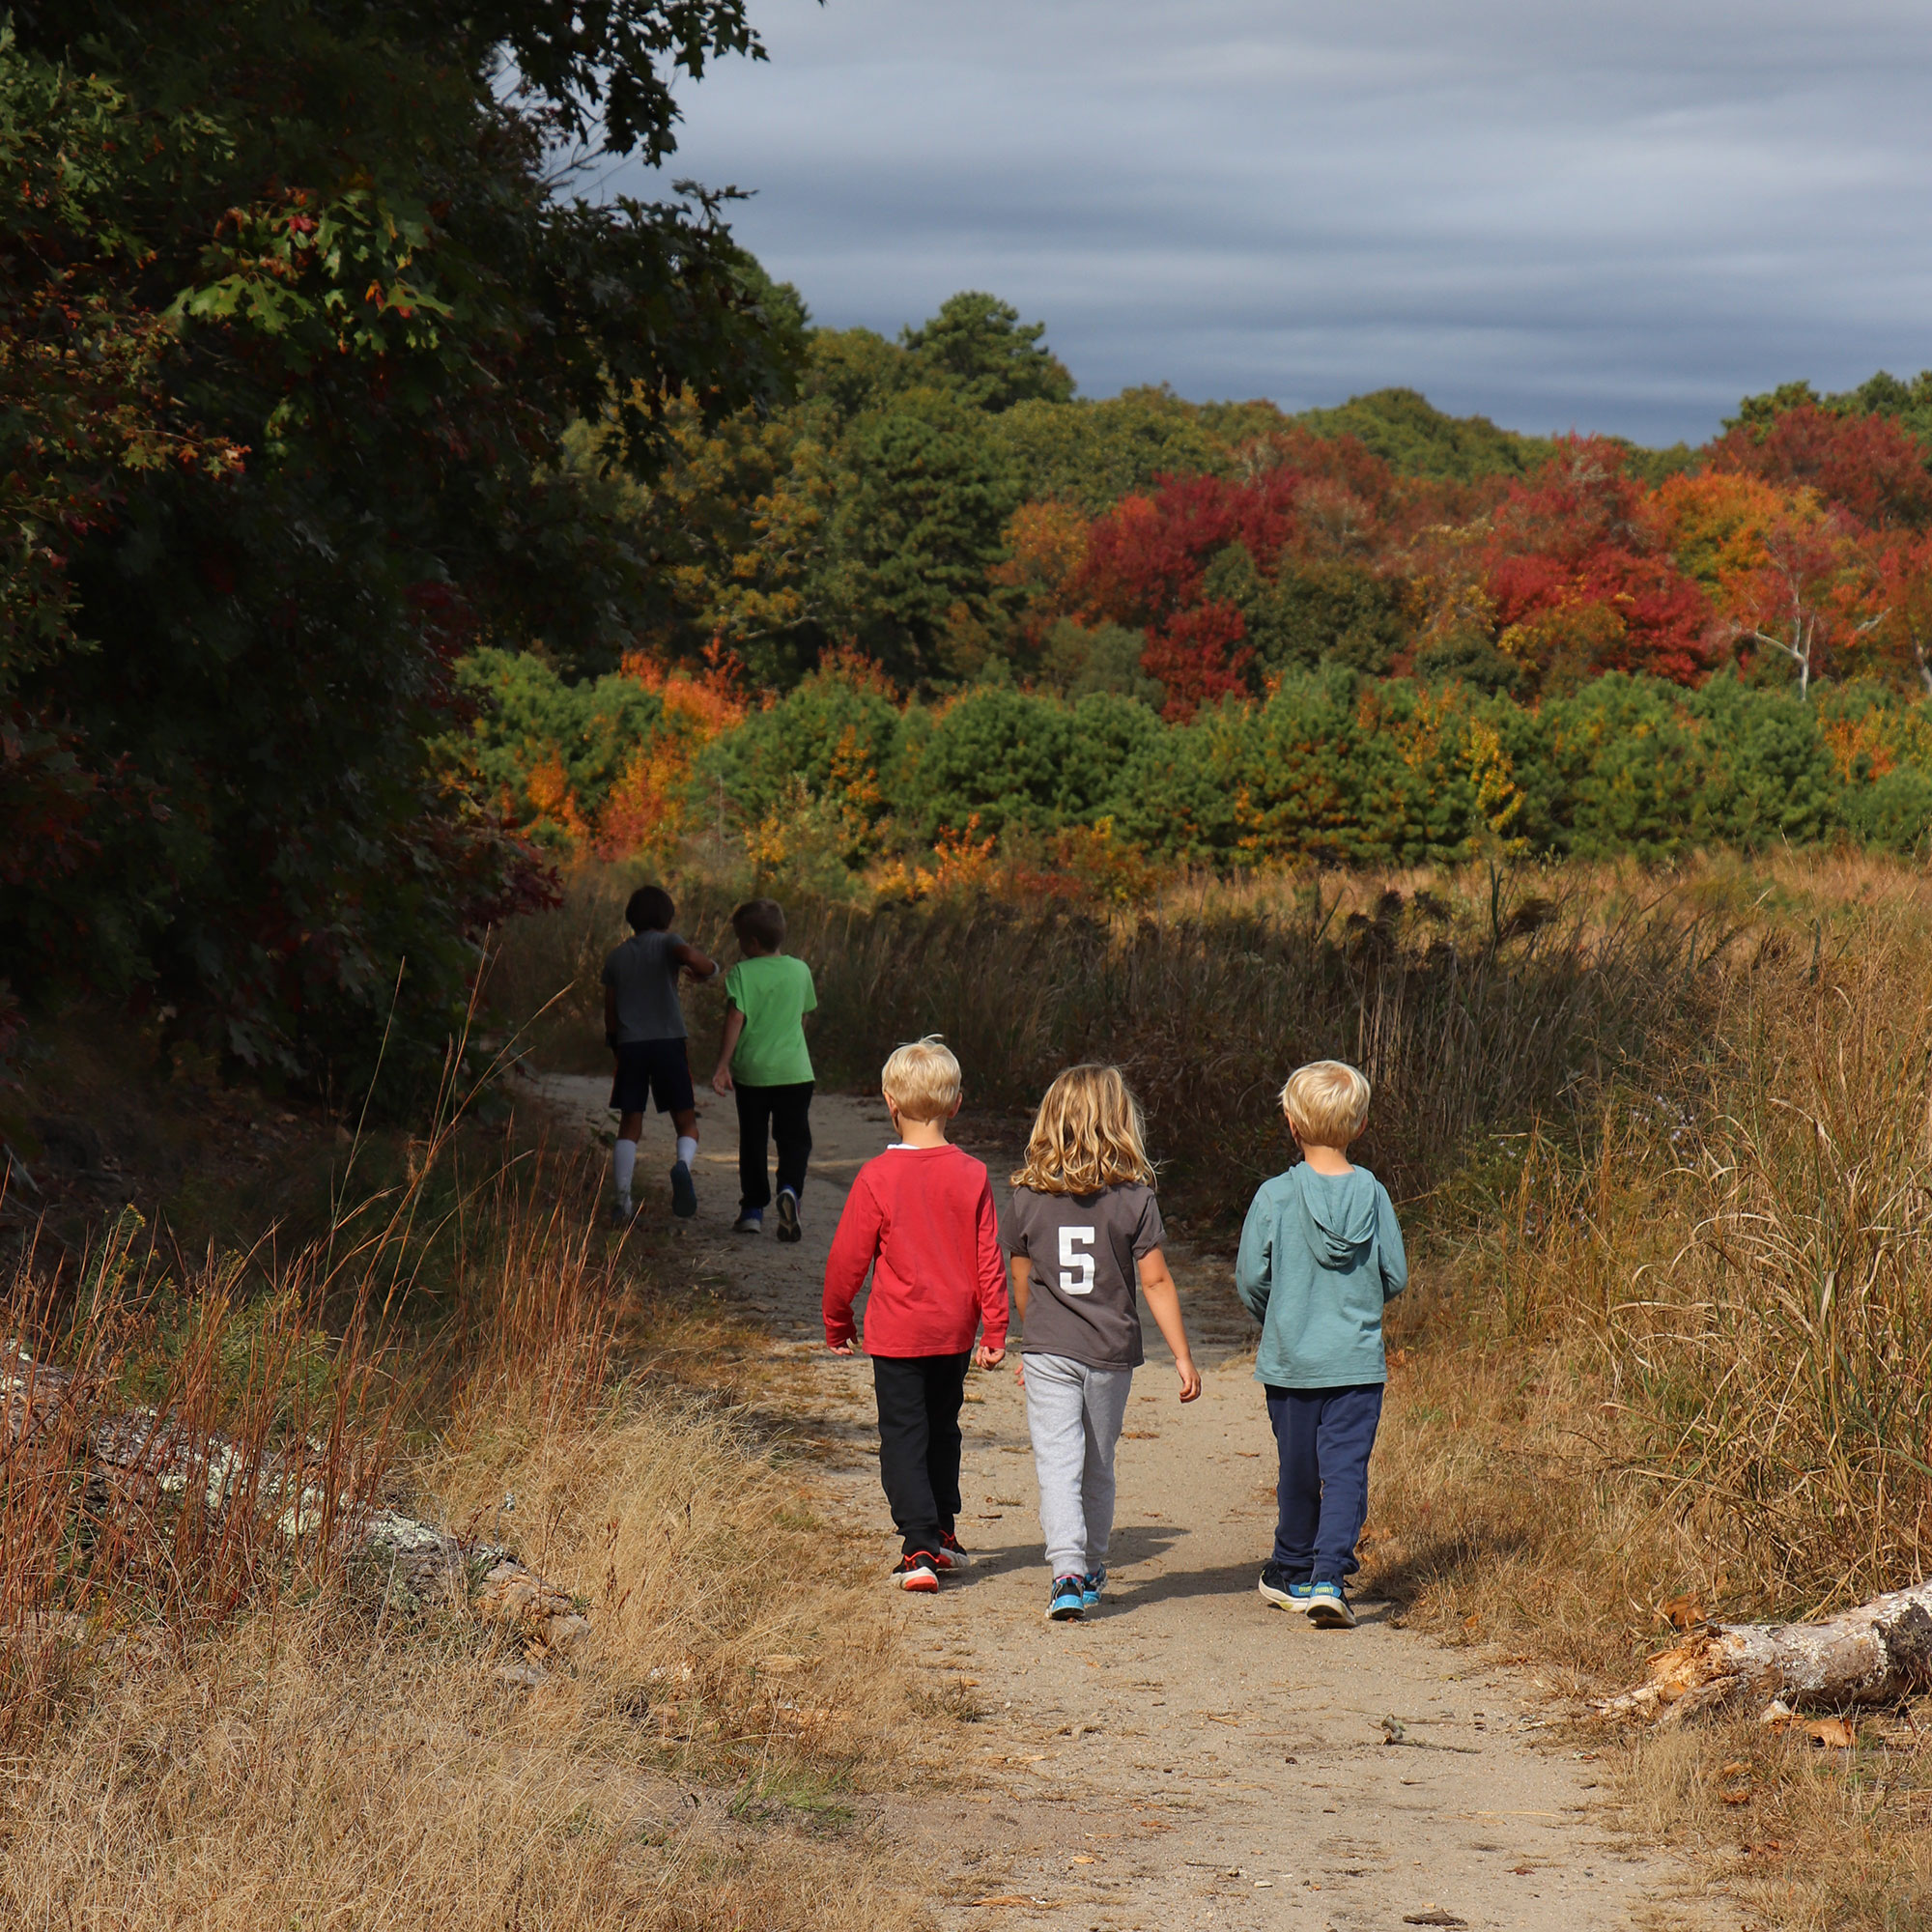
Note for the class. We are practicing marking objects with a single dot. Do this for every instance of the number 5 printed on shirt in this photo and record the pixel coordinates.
(1076, 1269)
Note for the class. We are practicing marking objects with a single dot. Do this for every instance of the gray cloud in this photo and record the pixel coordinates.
(1563, 215)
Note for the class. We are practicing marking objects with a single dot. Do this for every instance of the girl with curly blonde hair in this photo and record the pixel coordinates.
(1082, 1231)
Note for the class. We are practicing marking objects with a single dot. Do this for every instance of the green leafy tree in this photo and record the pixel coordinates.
(1622, 771)
(1312, 611)
(1078, 661)
(1415, 438)
(836, 735)
(918, 520)
(1094, 453)
(549, 750)
(978, 347)
(372, 290)
(1011, 762)
(1767, 778)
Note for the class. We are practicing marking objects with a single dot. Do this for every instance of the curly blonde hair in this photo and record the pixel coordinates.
(1088, 1134)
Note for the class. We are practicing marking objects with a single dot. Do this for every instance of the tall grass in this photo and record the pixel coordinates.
(1751, 1264)
(1475, 1002)
(213, 1715)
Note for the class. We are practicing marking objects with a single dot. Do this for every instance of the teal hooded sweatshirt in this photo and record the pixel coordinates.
(1321, 1254)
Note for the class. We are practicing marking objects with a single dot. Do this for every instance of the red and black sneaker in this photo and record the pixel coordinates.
(952, 1554)
(917, 1572)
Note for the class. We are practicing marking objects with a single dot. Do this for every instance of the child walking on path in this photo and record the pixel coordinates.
(644, 1026)
(1082, 1228)
(764, 1060)
(1321, 1254)
(920, 1216)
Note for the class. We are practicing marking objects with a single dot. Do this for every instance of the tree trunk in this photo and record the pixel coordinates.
(1877, 1654)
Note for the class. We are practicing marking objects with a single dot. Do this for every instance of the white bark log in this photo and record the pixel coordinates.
(136, 1458)
(1877, 1654)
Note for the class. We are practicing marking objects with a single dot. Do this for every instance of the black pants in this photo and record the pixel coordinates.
(786, 1112)
(919, 1443)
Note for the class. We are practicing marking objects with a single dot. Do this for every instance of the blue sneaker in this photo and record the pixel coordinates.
(683, 1195)
(1091, 1586)
(1068, 1601)
(1328, 1606)
(1279, 1591)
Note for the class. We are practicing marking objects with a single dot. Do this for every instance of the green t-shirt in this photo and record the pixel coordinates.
(774, 994)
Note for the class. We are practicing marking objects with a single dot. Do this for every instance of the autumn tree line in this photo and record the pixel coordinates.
(390, 517)
(939, 612)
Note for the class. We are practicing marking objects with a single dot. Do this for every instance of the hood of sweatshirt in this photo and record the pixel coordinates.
(1338, 1216)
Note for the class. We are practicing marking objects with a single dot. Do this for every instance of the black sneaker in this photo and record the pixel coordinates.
(788, 1228)
(1276, 1587)
(917, 1572)
(683, 1195)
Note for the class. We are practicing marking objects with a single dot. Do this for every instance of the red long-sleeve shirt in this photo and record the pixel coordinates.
(921, 1219)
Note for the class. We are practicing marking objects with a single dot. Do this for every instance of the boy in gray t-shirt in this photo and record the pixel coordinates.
(1083, 1231)
(644, 1027)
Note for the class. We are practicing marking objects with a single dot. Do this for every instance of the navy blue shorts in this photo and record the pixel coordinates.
(653, 1070)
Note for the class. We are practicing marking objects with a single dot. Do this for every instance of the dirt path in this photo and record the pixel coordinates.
(1186, 1755)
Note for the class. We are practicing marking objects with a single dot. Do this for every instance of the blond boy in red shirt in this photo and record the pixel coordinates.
(920, 1218)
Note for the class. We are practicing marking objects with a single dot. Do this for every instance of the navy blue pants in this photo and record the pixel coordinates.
(1324, 1437)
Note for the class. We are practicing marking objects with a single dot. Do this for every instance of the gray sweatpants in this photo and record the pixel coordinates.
(1074, 1415)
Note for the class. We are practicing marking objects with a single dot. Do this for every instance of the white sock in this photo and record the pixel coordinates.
(687, 1148)
(623, 1164)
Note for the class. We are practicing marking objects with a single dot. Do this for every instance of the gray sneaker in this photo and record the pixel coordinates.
(788, 1228)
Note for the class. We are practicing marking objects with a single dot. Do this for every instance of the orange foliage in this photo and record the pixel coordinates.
(1047, 549)
(551, 793)
(647, 807)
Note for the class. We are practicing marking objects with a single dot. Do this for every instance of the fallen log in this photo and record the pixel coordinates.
(131, 1459)
(1880, 1653)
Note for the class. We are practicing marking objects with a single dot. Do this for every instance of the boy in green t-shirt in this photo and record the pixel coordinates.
(764, 1060)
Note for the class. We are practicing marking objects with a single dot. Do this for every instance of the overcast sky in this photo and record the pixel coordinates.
(1597, 215)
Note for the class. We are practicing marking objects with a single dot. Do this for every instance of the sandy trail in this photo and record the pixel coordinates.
(1186, 1755)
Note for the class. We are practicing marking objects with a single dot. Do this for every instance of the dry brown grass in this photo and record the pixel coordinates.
(1682, 1366)
(318, 1766)
(283, 1744)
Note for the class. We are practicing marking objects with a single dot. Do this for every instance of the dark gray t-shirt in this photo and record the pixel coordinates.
(643, 976)
(1084, 1249)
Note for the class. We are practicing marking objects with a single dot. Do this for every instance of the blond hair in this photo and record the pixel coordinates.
(922, 1079)
(1088, 1134)
(1327, 1102)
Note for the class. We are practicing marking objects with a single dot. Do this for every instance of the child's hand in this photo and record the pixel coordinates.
(721, 1081)
(841, 1347)
(1019, 1370)
(1190, 1378)
(984, 1358)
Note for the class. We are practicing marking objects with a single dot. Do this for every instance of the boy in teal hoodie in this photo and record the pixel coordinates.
(1321, 1254)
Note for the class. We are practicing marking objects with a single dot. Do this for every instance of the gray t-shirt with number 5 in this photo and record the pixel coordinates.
(1084, 1250)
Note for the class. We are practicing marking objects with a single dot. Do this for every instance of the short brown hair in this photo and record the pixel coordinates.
(1327, 1102)
(922, 1079)
(760, 922)
(1088, 1134)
